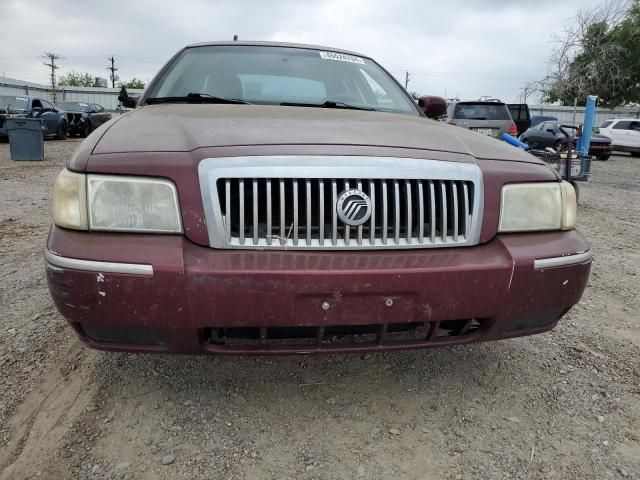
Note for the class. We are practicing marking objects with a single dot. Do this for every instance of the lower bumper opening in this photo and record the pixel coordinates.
(536, 320)
(341, 336)
(124, 335)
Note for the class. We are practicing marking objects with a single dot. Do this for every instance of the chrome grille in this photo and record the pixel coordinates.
(290, 202)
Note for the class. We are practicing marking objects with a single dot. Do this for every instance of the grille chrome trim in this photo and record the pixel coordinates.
(416, 203)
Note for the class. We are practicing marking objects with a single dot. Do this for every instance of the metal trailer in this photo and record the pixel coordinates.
(572, 165)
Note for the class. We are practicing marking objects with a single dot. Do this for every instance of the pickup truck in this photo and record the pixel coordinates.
(274, 198)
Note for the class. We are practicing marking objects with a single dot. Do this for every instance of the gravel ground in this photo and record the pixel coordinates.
(563, 405)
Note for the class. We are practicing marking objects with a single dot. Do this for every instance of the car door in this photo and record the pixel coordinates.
(101, 115)
(548, 135)
(521, 116)
(634, 134)
(36, 110)
(50, 117)
(618, 133)
(627, 133)
(92, 116)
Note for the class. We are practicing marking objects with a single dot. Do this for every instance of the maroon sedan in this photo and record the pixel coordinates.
(277, 198)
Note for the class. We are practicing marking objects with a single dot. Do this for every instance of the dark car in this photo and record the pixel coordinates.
(83, 118)
(559, 135)
(269, 198)
(54, 121)
(538, 119)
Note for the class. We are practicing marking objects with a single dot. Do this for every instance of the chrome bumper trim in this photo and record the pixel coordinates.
(562, 261)
(99, 267)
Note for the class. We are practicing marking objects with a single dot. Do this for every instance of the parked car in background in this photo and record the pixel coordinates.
(272, 198)
(83, 118)
(624, 134)
(559, 135)
(54, 121)
(537, 119)
(485, 117)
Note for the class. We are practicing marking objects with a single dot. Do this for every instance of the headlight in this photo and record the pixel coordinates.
(526, 207)
(132, 204)
(70, 200)
(115, 203)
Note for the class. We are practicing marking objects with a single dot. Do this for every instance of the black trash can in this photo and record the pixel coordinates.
(26, 141)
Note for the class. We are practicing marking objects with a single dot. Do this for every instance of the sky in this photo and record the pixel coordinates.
(452, 48)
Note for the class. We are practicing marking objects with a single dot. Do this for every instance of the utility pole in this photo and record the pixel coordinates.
(113, 71)
(52, 57)
(407, 76)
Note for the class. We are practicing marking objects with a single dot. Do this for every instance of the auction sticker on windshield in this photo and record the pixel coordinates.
(341, 57)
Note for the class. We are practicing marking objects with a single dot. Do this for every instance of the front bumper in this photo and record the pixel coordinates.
(166, 294)
(595, 149)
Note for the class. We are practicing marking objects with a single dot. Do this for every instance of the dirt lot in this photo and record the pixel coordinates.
(562, 405)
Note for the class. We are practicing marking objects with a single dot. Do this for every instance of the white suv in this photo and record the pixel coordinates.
(624, 134)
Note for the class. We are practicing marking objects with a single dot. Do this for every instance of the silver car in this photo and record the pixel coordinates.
(485, 117)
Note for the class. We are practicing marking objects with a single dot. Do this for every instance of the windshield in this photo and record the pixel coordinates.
(15, 104)
(278, 75)
(482, 111)
(74, 106)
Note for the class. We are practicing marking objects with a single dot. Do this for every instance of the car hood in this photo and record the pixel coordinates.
(186, 127)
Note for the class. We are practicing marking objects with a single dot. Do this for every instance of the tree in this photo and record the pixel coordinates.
(597, 55)
(77, 79)
(133, 83)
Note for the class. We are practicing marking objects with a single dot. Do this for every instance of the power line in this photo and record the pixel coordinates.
(113, 71)
(52, 64)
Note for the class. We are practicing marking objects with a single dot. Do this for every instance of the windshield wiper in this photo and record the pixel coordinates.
(196, 98)
(328, 104)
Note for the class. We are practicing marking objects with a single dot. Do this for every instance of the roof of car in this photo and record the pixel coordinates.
(626, 119)
(30, 97)
(481, 102)
(256, 43)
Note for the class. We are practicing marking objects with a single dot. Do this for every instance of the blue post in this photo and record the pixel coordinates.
(587, 127)
(513, 141)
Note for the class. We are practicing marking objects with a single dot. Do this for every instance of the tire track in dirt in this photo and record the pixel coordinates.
(41, 422)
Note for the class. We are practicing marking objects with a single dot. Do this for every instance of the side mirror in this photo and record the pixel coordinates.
(433, 107)
(127, 100)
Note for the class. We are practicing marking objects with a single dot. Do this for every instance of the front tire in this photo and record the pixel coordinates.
(635, 154)
(62, 131)
(604, 157)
